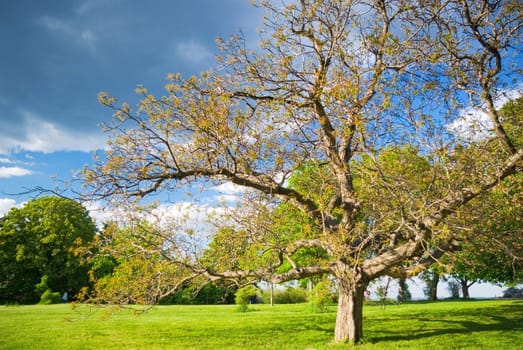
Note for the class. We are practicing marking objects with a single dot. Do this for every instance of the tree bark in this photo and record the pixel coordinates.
(402, 286)
(272, 294)
(465, 288)
(349, 319)
(434, 287)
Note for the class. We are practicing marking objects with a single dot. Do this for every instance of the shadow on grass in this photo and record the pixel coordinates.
(453, 322)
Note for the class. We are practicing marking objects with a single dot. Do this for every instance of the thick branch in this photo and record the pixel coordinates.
(269, 275)
(455, 200)
(426, 261)
(486, 76)
(378, 265)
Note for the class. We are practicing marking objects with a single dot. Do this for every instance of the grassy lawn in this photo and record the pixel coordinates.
(489, 324)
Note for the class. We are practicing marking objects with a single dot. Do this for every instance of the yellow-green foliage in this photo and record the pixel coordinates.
(243, 297)
(322, 296)
(49, 297)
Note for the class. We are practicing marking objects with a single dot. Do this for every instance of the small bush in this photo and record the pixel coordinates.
(243, 297)
(513, 293)
(321, 296)
(290, 296)
(286, 296)
(49, 297)
(298, 295)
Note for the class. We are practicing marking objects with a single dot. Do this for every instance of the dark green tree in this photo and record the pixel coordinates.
(492, 225)
(431, 277)
(493, 248)
(403, 291)
(46, 238)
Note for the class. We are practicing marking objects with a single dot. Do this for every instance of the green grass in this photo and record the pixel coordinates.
(488, 324)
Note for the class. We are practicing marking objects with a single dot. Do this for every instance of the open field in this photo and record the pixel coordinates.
(487, 324)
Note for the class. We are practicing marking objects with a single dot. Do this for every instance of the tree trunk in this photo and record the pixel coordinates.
(272, 294)
(402, 286)
(349, 319)
(434, 287)
(465, 288)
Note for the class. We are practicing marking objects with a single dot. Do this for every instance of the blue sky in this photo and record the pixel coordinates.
(57, 55)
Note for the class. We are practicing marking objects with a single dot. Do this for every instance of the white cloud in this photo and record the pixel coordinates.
(6, 204)
(193, 51)
(506, 95)
(228, 193)
(101, 215)
(473, 124)
(178, 219)
(180, 211)
(228, 199)
(47, 137)
(229, 188)
(231, 194)
(6, 161)
(6, 172)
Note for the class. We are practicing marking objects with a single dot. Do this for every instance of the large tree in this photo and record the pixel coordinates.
(491, 226)
(46, 239)
(363, 89)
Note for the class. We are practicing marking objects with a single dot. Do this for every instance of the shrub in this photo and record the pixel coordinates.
(243, 297)
(286, 296)
(290, 296)
(49, 297)
(513, 293)
(321, 296)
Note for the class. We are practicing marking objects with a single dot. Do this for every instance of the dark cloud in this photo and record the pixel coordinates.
(57, 55)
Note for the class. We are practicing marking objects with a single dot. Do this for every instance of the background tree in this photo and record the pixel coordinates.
(403, 291)
(493, 250)
(453, 286)
(218, 292)
(244, 297)
(347, 86)
(46, 239)
(431, 277)
(492, 226)
(131, 262)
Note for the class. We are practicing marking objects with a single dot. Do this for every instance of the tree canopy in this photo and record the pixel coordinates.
(365, 91)
(44, 241)
(491, 227)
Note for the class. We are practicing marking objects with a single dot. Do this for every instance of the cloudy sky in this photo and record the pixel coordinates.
(57, 55)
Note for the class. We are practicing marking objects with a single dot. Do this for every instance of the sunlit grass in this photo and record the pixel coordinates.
(492, 324)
